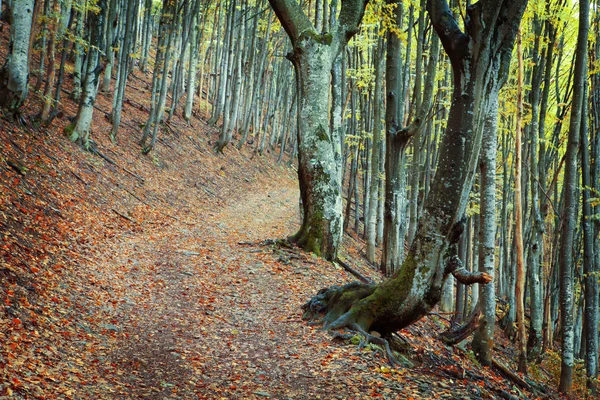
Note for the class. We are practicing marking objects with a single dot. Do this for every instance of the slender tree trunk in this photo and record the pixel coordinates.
(589, 266)
(483, 343)
(111, 30)
(520, 283)
(82, 125)
(371, 219)
(191, 76)
(51, 74)
(395, 154)
(569, 213)
(78, 63)
(124, 62)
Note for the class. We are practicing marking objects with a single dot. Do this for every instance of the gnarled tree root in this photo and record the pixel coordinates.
(368, 338)
(460, 333)
(330, 307)
(330, 304)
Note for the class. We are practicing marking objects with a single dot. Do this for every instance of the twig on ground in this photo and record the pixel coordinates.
(354, 272)
(122, 215)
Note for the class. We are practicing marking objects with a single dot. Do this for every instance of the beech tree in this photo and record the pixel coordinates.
(480, 58)
(14, 75)
(569, 210)
(80, 129)
(319, 148)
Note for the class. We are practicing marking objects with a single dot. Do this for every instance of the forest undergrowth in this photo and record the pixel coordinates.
(157, 276)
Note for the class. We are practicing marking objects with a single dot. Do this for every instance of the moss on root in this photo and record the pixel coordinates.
(331, 303)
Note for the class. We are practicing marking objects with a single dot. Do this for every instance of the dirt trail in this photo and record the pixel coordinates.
(211, 315)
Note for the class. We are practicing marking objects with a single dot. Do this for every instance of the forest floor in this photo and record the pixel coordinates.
(152, 277)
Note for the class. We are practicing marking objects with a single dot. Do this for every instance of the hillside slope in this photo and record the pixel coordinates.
(132, 276)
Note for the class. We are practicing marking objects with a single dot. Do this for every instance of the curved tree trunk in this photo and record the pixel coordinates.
(319, 146)
(480, 59)
(319, 154)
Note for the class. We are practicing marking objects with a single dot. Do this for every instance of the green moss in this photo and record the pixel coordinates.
(322, 38)
(69, 130)
(327, 38)
(322, 133)
(315, 240)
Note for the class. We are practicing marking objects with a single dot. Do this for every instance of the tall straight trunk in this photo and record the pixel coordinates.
(569, 213)
(416, 166)
(591, 288)
(371, 219)
(81, 126)
(483, 342)
(251, 84)
(520, 282)
(190, 11)
(111, 30)
(589, 263)
(534, 342)
(78, 50)
(14, 75)
(227, 49)
(126, 49)
(146, 35)
(51, 73)
(394, 155)
(192, 65)
(43, 22)
(230, 120)
(160, 75)
(63, 60)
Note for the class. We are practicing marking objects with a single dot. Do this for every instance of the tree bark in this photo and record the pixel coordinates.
(520, 282)
(483, 342)
(319, 148)
(80, 130)
(569, 211)
(14, 75)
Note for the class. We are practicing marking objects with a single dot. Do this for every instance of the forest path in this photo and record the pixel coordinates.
(215, 314)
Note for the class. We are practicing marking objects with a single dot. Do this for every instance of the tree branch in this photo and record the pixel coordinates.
(468, 278)
(292, 18)
(455, 267)
(452, 38)
(350, 16)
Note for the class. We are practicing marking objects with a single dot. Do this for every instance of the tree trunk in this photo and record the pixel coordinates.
(319, 154)
(126, 49)
(483, 343)
(520, 282)
(569, 213)
(14, 75)
(319, 148)
(395, 144)
(83, 121)
(371, 219)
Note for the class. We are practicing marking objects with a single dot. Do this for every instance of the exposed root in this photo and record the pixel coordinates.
(330, 305)
(368, 338)
(460, 333)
